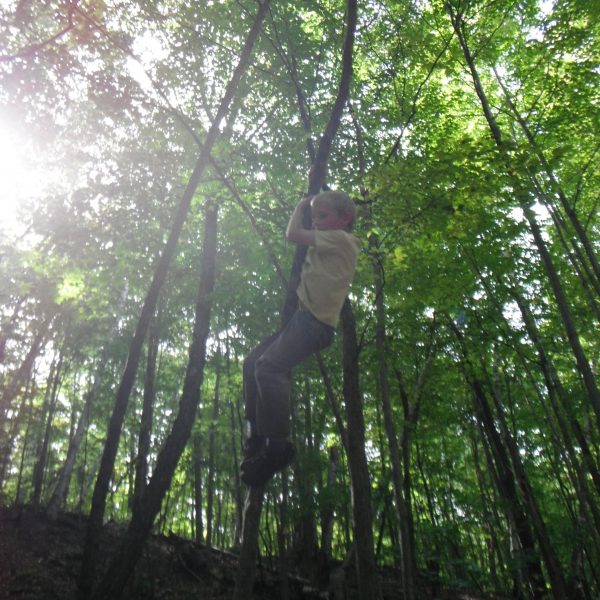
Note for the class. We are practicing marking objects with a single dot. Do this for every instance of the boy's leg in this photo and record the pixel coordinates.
(250, 387)
(302, 336)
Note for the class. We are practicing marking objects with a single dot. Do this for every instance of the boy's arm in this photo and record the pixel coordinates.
(296, 231)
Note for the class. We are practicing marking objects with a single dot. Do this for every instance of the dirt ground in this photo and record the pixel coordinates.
(40, 560)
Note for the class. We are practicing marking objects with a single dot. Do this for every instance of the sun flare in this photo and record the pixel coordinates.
(20, 176)
(13, 175)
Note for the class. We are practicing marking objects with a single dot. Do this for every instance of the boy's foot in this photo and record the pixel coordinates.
(274, 455)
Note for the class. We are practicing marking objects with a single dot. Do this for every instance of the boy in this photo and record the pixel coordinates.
(326, 275)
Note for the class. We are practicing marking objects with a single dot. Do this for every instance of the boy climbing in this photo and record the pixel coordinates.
(326, 275)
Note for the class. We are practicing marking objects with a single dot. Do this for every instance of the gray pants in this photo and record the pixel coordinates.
(267, 371)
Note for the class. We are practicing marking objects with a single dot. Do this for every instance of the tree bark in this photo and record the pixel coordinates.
(402, 501)
(25, 410)
(145, 432)
(559, 191)
(583, 365)
(368, 579)
(553, 567)
(54, 381)
(58, 495)
(244, 579)
(319, 166)
(197, 467)
(502, 471)
(254, 498)
(11, 391)
(116, 421)
(238, 485)
(210, 487)
(145, 511)
(15, 387)
(328, 514)
(555, 388)
(491, 519)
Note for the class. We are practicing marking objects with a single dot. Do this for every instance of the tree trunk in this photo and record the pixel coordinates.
(502, 471)
(368, 579)
(197, 466)
(582, 363)
(433, 556)
(210, 488)
(556, 389)
(114, 430)
(9, 392)
(402, 501)
(319, 165)
(254, 498)
(58, 495)
(491, 520)
(145, 511)
(564, 201)
(328, 514)
(145, 432)
(559, 587)
(527, 568)
(244, 579)
(237, 483)
(24, 411)
(54, 381)
(282, 535)
(21, 375)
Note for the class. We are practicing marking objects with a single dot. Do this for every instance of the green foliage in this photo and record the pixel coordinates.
(112, 150)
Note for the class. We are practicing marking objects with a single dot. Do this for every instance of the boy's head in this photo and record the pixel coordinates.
(332, 210)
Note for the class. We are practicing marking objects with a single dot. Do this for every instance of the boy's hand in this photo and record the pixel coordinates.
(296, 231)
(305, 200)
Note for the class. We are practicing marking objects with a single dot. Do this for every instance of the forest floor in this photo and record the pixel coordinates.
(40, 560)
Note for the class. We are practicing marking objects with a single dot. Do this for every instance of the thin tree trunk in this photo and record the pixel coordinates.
(503, 474)
(18, 381)
(210, 488)
(21, 375)
(526, 568)
(237, 483)
(254, 498)
(305, 531)
(114, 431)
(54, 381)
(411, 408)
(244, 579)
(319, 166)
(282, 535)
(368, 578)
(328, 514)
(402, 502)
(58, 495)
(583, 365)
(555, 388)
(28, 395)
(112, 584)
(434, 555)
(197, 466)
(558, 190)
(553, 567)
(145, 432)
(330, 394)
(491, 520)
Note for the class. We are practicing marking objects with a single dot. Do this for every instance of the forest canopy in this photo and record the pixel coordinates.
(470, 144)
